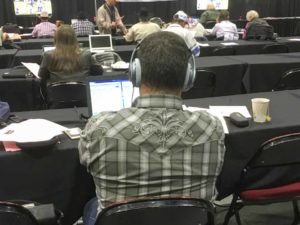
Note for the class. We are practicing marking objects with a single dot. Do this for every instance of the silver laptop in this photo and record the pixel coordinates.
(100, 43)
(109, 93)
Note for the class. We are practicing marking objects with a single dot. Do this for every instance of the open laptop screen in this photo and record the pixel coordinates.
(110, 93)
(100, 43)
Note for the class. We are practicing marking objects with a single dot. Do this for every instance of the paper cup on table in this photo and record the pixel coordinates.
(260, 109)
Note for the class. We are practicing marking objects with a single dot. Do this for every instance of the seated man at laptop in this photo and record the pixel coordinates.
(155, 148)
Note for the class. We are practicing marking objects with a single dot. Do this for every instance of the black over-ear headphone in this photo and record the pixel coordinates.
(135, 71)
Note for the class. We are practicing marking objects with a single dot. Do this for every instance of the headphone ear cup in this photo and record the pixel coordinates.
(190, 75)
(135, 72)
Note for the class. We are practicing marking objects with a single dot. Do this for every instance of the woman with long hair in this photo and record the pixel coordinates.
(67, 62)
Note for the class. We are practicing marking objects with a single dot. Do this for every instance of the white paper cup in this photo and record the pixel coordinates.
(260, 109)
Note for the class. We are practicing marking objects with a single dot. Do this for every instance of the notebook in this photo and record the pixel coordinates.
(100, 43)
(109, 93)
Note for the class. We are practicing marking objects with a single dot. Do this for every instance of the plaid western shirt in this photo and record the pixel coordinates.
(44, 29)
(83, 27)
(153, 149)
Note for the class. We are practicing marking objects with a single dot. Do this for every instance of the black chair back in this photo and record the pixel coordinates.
(289, 80)
(257, 31)
(275, 48)
(66, 95)
(224, 51)
(174, 211)
(270, 177)
(14, 214)
(204, 85)
(210, 24)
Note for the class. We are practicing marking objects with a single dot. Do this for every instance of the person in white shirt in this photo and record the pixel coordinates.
(224, 29)
(196, 27)
(180, 20)
(142, 29)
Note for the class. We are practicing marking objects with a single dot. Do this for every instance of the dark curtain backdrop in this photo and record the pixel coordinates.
(67, 9)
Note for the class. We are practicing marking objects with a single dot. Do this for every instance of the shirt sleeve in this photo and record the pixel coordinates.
(130, 35)
(43, 71)
(101, 19)
(34, 32)
(120, 22)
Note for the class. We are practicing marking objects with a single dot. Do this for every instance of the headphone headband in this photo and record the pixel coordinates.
(135, 70)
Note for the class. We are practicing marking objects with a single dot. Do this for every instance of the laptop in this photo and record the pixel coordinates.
(109, 93)
(100, 43)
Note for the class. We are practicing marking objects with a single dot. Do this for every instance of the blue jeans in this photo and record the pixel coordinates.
(90, 212)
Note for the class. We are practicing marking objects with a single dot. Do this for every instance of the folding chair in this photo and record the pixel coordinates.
(204, 85)
(14, 214)
(270, 177)
(66, 95)
(289, 80)
(168, 211)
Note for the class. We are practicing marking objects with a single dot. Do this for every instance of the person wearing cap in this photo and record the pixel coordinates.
(211, 14)
(44, 28)
(142, 29)
(109, 19)
(177, 26)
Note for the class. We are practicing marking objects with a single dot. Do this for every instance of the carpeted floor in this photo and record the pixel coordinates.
(273, 214)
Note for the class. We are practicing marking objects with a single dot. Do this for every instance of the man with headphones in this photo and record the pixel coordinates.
(154, 148)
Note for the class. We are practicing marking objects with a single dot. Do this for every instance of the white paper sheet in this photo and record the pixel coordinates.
(229, 43)
(203, 44)
(32, 130)
(227, 110)
(33, 68)
(215, 113)
(294, 39)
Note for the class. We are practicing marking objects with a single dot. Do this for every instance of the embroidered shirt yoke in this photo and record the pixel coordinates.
(153, 149)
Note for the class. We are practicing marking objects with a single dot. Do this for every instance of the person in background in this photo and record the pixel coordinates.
(196, 27)
(67, 62)
(211, 14)
(109, 19)
(158, 21)
(44, 28)
(83, 27)
(3, 36)
(155, 148)
(180, 20)
(252, 17)
(58, 23)
(224, 29)
(142, 29)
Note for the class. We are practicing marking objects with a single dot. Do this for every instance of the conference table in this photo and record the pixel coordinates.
(247, 47)
(38, 43)
(55, 174)
(242, 143)
(23, 94)
(35, 55)
(6, 57)
(242, 47)
(263, 71)
(234, 74)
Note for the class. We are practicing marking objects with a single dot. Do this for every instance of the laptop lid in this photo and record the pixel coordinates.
(109, 93)
(100, 43)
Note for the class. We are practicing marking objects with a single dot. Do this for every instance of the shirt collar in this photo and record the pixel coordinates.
(158, 101)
